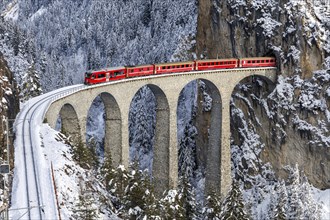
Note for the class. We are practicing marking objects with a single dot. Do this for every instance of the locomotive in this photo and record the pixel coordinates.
(123, 72)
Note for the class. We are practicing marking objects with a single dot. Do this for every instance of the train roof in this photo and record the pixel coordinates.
(107, 69)
(175, 63)
(139, 66)
(216, 60)
(257, 58)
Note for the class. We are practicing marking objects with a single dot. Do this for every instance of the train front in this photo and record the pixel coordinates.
(88, 78)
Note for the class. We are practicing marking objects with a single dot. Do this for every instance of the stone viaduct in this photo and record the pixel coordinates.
(117, 97)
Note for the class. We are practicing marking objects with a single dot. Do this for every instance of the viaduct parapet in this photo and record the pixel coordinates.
(117, 97)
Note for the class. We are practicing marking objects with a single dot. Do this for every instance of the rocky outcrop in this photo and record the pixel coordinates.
(293, 32)
(289, 125)
(9, 103)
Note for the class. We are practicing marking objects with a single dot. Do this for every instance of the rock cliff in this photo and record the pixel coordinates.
(293, 31)
(9, 105)
(290, 120)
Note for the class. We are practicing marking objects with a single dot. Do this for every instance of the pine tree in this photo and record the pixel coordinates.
(311, 209)
(106, 170)
(212, 207)
(272, 212)
(294, 202)
(233, 206)
(187, 152)
(85, 156)
(31, 84)
(84, 208)
(171, 206)
(139, 196)
(117, 186)
(187, 199)
(282, 202)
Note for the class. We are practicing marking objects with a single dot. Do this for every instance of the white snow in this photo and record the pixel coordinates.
(323, 196)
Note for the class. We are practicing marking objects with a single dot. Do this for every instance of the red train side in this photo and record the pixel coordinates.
(174, 67)
(216, 64)
(257, 62)
(117, 73)
(143, 70)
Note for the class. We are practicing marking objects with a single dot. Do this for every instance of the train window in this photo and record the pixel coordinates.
(101, 75)
(119, 73)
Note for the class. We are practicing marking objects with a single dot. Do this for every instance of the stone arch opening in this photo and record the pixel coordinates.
(103, 127)
(69, 123)
(199, 119)
(149, 134)
(249, 124)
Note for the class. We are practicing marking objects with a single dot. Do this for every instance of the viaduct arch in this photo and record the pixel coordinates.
(117, 98)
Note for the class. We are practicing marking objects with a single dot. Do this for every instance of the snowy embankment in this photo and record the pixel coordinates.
(70, 179)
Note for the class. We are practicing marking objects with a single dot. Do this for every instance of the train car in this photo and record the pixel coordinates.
(216, 64)
(174, 67)
(117, 73)
(106, 75)
(257, 62)
(143, 70)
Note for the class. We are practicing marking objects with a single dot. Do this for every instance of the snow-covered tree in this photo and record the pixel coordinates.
(85, 209)
(170, 206)
(272, 209)
(187, 152)
(282, 202)
(31, 84)
(142, 128)
(139, 196)
(187, 199)
(294, 201)
(212, 208)
(106, 170)
(233, 205)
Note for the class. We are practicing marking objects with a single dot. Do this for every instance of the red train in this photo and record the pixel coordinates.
(117, 73)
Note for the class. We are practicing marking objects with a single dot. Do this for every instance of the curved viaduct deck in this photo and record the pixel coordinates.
(117, 97)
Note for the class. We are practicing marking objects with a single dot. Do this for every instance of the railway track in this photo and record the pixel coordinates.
(30, 201)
